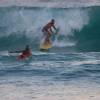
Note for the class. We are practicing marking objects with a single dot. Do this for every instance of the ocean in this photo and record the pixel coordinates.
(71, 68)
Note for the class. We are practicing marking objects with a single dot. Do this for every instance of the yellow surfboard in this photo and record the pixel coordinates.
(45, 46)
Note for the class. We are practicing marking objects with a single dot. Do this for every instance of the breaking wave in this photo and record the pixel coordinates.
(79, 27)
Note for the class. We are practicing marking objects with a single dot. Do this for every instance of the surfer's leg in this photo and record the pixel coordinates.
(49, 34)
(46, 32)
(47, 39)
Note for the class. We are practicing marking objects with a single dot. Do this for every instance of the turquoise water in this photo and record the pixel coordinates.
(69, 71)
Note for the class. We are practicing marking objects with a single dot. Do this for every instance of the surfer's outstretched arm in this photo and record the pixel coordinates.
(16, 51)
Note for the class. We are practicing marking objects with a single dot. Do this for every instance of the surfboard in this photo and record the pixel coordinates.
(46, 46)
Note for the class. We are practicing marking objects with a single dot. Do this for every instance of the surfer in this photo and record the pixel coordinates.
(24, 53)
(47, 30)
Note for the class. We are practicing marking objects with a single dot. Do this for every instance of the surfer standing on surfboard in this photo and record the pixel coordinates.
(47, 30)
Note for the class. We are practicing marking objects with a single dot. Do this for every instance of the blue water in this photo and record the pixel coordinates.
(50, 75)
(71, 69)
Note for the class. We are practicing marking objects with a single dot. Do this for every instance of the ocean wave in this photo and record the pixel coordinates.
(23, 25)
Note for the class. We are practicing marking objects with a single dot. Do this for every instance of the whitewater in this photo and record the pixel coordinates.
(71, 68)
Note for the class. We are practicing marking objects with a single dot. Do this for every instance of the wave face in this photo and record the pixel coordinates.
(89, 38)
(79, 27)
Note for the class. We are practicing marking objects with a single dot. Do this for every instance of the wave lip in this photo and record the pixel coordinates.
(52, 3)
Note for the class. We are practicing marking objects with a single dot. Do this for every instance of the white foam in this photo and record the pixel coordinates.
(50, 3)
(86, 62)
(4, 53)
(63, 43)
(49, 92)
